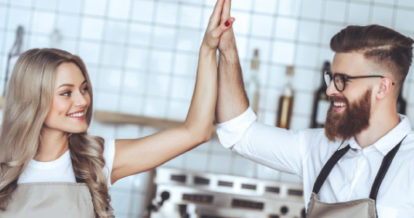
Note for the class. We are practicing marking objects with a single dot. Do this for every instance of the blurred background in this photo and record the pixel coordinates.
(142, 58)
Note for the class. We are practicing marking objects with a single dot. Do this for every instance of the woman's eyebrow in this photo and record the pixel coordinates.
(71, 85)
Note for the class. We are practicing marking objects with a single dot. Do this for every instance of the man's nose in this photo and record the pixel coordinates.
(331, 89)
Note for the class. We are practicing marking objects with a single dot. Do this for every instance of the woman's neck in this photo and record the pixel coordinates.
(53, 144)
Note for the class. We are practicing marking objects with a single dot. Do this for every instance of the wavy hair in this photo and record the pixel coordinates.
(28, 100)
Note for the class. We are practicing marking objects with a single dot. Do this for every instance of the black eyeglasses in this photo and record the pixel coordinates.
(341, 79)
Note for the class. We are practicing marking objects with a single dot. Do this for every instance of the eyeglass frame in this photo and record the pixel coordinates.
(345, 78)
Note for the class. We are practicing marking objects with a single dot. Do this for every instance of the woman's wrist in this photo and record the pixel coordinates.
(207, 50)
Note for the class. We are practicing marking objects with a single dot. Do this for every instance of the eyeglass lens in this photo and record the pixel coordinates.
(338, 80)
(327, 77)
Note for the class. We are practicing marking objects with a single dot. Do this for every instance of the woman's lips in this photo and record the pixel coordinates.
(79, 115)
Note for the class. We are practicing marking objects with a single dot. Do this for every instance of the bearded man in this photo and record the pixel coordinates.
(362, 163)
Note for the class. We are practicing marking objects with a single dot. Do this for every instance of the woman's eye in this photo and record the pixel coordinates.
(85, 89)
(68, 93)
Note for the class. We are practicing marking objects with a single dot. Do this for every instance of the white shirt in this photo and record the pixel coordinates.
(61, 170)
(305, 152)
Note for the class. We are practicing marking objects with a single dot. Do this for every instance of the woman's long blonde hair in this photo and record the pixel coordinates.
(28, 99)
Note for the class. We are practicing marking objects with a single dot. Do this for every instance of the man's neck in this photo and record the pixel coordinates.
(379, 126)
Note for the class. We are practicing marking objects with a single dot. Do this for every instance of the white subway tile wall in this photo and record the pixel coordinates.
(142, 58)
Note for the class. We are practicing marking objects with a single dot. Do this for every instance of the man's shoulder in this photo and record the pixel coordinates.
(314, 136)
(317, 144)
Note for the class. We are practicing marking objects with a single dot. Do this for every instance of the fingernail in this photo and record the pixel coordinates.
(227, 23)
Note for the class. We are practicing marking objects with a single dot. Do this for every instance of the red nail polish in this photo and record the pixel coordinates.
(227, 23)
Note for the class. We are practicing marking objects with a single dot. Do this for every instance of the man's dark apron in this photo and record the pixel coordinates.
(361, 208)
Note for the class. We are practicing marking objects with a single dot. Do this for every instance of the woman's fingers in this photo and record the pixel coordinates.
(215, 16)
(216, 33)
(217, 25)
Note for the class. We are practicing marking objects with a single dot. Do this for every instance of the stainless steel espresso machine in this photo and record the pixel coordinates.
(186, 194)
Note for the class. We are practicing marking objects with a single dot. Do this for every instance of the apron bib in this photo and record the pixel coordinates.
(361, 208)
(54, 199)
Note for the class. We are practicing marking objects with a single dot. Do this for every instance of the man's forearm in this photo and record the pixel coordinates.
(232, 99)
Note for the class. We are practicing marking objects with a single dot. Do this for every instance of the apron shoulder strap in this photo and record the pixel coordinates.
(328, 167)
(386, 162)
(79, 180)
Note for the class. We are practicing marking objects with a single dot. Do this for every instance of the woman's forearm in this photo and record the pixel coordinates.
(201, 112)
(138, 155)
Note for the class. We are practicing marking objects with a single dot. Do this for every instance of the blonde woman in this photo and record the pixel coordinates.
(51, 167)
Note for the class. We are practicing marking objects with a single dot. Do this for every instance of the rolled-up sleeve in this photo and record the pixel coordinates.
(274, 147)
(233, 130)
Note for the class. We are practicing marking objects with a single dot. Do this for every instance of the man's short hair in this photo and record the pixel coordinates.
(386, 47)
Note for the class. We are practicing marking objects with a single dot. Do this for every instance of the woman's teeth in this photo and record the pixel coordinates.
(80, 114)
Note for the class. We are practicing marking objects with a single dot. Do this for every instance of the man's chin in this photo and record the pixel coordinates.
(331, 137)
(334, 138)
(349, 120)
(338, 110)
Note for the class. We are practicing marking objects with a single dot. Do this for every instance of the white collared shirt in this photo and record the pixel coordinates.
(305, 152)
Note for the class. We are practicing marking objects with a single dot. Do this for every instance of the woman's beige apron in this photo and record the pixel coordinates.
(362, 208)
(44, 200)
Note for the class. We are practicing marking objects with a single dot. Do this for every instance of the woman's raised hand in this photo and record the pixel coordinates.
(219, 22)
(138, 155)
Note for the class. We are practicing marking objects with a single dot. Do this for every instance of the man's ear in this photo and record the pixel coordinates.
(385, 88)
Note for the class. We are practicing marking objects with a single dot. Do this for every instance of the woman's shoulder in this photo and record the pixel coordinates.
(109, 148)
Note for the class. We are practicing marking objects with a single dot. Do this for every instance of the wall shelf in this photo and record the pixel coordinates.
(121, 118)
(112, 117)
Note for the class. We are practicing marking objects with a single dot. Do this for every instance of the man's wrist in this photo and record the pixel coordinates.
(230, 55)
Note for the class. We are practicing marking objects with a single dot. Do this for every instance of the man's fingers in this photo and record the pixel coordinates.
(225, 14)
(216, 33)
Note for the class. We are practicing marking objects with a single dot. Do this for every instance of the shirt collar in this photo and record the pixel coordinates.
(391, 139)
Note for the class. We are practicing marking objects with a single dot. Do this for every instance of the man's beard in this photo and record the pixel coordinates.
(350, 122)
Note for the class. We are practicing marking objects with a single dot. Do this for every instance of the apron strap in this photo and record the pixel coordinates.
(79, 180)
(386, 162)
(328, 167)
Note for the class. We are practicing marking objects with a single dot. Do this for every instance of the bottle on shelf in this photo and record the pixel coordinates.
(321, 101)
(285, 107)
(253, 84)
(401, 103)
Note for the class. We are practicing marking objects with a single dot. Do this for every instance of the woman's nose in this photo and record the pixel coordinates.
(81, 100)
